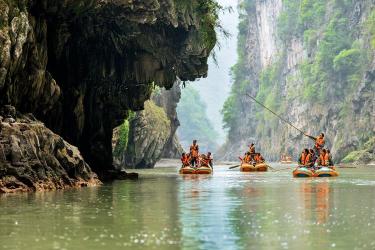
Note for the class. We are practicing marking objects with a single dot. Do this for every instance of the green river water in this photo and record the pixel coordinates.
(228, 210)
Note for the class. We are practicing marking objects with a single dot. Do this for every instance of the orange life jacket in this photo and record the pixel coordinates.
(307, 159)
(319, 143)
(326, 159)
(322, 160)
(247, 159)
(194, 150)
(256, 158)
(185, 160)
(205, 161)
(303, 158)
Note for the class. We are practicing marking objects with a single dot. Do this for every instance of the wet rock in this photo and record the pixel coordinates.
(120, 175)
(33, 158)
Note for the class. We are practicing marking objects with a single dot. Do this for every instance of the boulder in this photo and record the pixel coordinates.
(33, 158)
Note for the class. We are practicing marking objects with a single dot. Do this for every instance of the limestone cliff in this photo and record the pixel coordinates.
(150, 134)
(80, 66)
(312, 62)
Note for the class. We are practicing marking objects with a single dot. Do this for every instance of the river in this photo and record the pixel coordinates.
(228, 210)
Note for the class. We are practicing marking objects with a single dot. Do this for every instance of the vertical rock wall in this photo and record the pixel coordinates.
(290, 54)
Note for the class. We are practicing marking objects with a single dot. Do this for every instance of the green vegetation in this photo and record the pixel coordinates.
(192, 113)
(370, 26)
(364, 155)
(207, 12)
(123, 137)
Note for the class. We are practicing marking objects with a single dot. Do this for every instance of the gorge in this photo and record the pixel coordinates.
(80, 67)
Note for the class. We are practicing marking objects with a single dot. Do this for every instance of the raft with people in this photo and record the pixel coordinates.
(195, 163)
(316, 162)
(252, 161)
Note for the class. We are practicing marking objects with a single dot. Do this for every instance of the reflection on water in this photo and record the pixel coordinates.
(228, 210)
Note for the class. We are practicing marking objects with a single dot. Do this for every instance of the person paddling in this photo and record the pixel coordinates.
(194, 153)
(319, 142)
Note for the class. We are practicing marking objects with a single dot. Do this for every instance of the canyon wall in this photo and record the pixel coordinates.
(313, 63)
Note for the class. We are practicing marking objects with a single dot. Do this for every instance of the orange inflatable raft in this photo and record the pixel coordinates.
(326, 172)
(322, 172)
(261, 167)
(199, 170)
(303, 172)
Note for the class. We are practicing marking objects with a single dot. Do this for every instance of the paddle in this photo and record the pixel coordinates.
(236, 166)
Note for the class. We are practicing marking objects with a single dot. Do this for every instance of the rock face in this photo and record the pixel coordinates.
(168, 100)
(33, 158)
(80, 66)
(148, 134)
(313, 63)
(152, 132)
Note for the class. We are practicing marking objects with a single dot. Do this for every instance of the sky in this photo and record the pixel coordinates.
(216, 87)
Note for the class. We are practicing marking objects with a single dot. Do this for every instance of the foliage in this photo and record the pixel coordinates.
(347, 61)
(207, 13)
(123, 137)
(364, 155)
(370, 26)
(192, 113)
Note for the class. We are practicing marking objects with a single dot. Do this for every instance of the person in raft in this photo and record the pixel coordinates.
(247, 158)
(185, 160)
(252, 149)
(302, 158)
(194, 153)
(306, 159)
(314, 157)
(210, 160)
(319, 143)
(206, 160)
(258, 158)
(325, 158)
(329, 156)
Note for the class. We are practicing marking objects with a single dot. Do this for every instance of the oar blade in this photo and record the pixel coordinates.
(236, 166)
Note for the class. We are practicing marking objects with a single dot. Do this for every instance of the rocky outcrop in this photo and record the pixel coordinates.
(80, 66)
(148, 135)
(151, 133)
(33, 158)
(168, 100)
(313, 63)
